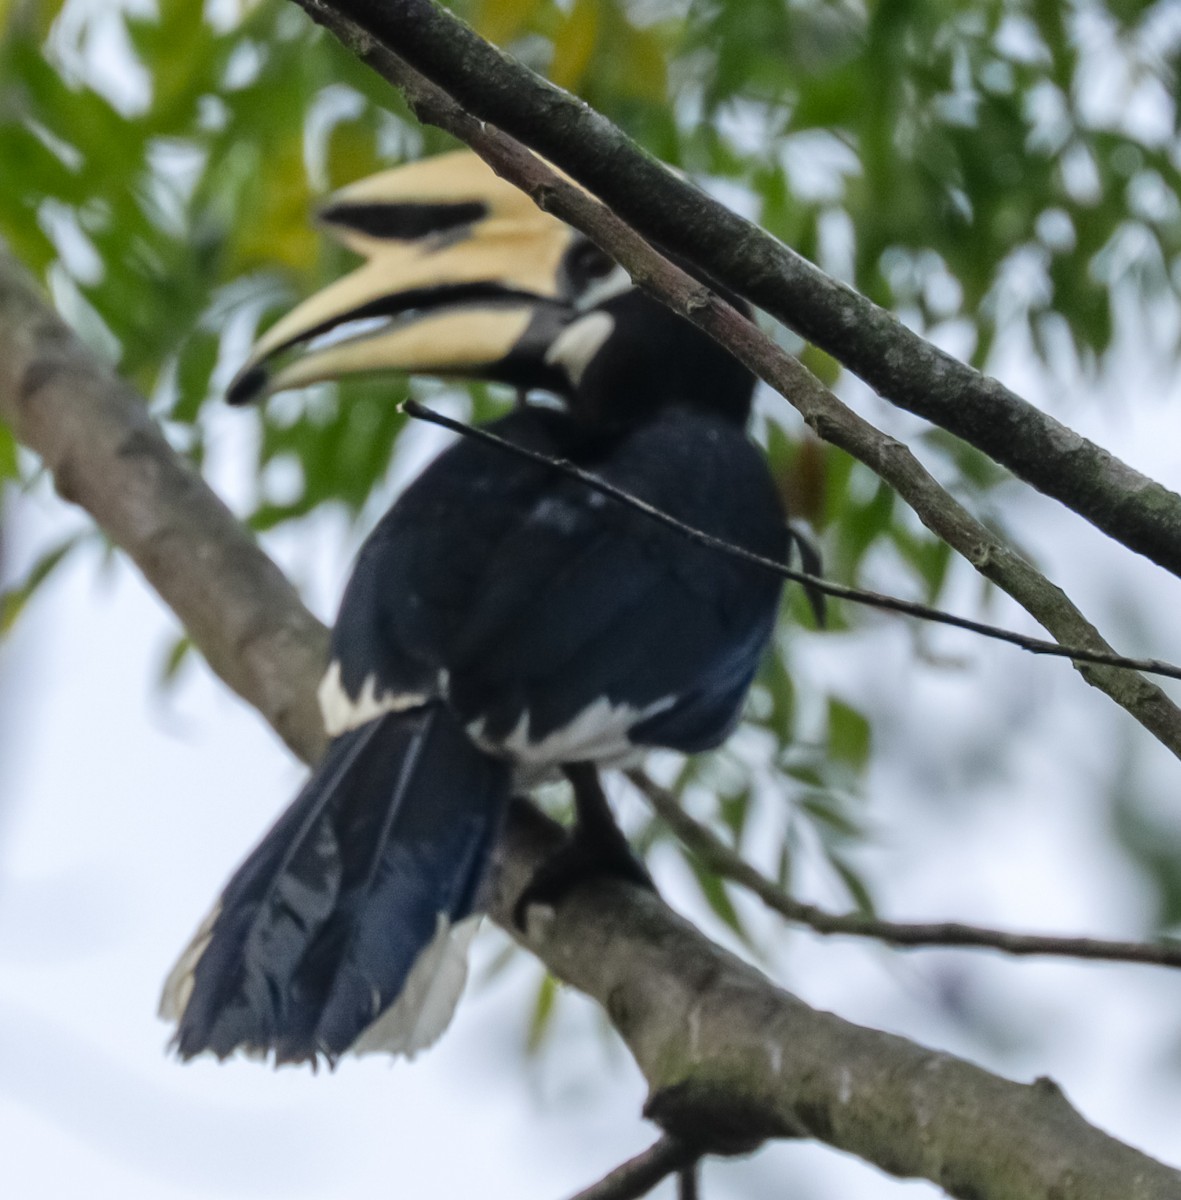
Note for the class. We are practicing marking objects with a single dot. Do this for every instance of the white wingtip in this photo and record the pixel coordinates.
(424, 1009)
(342, 712)
(178, 987)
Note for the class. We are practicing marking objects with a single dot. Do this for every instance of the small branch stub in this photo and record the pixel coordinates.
(639, 1175)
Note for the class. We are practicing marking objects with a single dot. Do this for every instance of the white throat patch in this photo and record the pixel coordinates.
(578, 343)
(427, 1001)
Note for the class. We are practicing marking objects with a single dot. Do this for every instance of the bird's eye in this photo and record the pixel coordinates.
(586, 262)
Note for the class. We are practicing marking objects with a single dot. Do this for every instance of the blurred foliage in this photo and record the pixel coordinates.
(1000, 168)
(13, 599)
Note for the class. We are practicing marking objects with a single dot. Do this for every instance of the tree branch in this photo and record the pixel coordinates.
(689, 1182)
(493, 87)
(639, 1175)
(831, 419)
(106, 454)
(729, 1058)
(719, 858)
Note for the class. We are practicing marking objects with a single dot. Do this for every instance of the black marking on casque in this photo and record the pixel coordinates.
(403, 222)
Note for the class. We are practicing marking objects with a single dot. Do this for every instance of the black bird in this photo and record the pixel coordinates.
(502, 621)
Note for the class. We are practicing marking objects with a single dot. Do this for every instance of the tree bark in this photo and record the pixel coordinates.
(93, 433)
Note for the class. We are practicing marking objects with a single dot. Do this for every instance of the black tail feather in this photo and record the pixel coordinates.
(318, 931)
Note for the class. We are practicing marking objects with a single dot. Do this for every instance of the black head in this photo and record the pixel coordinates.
(630, 356)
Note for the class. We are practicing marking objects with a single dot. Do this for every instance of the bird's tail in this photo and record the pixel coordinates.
(341, 931)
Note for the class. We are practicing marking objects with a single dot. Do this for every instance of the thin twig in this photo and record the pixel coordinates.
(639, 1175)
(908, 608)
(689, 1182)
(720, 858)
(499, 91)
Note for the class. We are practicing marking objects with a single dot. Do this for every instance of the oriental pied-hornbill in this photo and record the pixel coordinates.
(503, 620)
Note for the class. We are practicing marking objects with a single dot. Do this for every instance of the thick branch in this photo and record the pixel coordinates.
(900, 365)
(729, 1058)
(106, 454)
(834, 421)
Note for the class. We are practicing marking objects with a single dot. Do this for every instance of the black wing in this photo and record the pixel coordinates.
(555, 610)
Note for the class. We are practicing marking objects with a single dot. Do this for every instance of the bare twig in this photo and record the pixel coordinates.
(498, 90)
(721, 859)
(639, 1175)
(689, 1182)
(908, 608)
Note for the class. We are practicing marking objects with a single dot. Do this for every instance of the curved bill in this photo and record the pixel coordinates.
(463, 341)
(459, 264)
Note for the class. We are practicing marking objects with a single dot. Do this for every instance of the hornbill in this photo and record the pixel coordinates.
(503, 620)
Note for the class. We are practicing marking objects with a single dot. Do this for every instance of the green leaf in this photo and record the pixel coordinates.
(775, 677)
(860, 525)
(341, 448)
(714, 891)
(541, 1019)
(178, 654)
(194, 370)
(974, 465)
(826, 810)
(858, 891)
(14, 600)
(929, 556)
(9, 463)
(734, 811)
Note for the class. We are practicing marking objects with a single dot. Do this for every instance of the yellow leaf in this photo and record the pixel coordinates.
(646, 72)
(352, 153)
(574, 45)
(274, 224)
(502, 20)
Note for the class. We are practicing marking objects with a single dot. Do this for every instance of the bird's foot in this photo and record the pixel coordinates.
(580, 860)
(596, 849)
